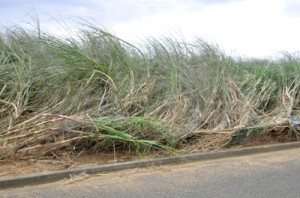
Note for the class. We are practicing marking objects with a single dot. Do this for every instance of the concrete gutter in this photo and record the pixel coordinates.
(40, 178)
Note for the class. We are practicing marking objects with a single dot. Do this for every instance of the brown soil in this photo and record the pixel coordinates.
(30, 166)
(11, 167)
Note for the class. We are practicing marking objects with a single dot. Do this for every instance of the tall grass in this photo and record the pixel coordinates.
(96, 92)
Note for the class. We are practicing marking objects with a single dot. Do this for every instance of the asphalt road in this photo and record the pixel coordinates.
(275, 174)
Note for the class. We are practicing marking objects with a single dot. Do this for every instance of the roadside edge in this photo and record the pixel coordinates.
(40, 178)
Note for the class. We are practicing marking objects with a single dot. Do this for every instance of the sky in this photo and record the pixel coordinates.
(250, 28)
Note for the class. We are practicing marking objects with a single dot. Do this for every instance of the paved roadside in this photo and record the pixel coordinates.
(47, 177)
(274, 174)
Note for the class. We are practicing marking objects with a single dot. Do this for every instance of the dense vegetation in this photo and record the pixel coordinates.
(96, 92)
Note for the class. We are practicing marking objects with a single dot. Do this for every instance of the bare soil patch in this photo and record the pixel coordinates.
(9, 168)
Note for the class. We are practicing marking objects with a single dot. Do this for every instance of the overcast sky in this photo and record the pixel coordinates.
(253, 28)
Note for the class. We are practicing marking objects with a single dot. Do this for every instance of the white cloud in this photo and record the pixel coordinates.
(292, 7)
(248, 27)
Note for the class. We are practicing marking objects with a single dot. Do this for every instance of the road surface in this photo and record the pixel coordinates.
(275, 174)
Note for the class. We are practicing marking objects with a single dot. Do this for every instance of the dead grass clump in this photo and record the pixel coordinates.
(98, 93)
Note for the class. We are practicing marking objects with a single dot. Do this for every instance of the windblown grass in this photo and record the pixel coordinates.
(97, 93)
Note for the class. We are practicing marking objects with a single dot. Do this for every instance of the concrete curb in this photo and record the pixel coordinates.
(40, 178)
